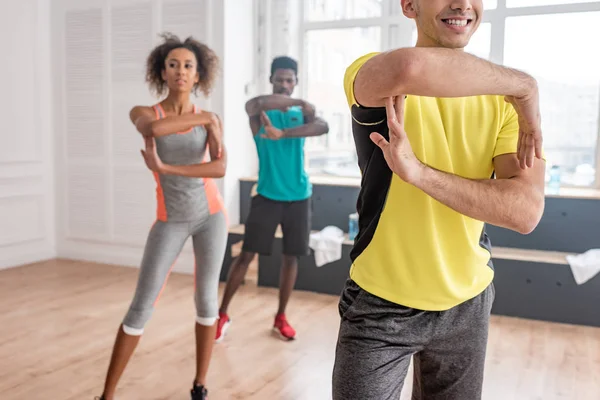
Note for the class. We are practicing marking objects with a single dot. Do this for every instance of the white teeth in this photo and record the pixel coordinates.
(457, 22)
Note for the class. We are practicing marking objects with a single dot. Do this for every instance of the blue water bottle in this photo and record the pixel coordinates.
(554, 183)
(352, 226)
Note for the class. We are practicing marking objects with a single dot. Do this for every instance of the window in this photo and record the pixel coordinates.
(569, 84)
(332, 10)
(532, 3)
(516, 33)
(328, 53)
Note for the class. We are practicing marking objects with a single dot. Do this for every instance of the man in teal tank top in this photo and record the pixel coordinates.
(279, 126)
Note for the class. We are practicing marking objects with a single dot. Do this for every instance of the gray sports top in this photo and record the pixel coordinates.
(180, 198)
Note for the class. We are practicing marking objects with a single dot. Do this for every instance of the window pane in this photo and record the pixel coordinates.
(533, 3)
(328, 53)
(490, 4)
(321, 10)
(569, 82)
(396, 8)
(479, 44)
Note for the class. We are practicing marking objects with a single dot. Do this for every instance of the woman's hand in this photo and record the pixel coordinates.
(151, 158)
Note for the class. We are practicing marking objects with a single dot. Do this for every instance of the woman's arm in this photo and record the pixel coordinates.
(146, 123)
(213, 169)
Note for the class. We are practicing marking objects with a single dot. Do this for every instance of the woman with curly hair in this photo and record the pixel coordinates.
(177, 135)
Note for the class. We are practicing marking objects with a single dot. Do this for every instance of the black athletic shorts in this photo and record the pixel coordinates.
(264, 217)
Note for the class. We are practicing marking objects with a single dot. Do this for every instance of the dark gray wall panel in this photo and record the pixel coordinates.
(569, 225)
(545, 292)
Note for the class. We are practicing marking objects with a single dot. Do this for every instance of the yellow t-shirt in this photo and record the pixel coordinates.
(411, 249)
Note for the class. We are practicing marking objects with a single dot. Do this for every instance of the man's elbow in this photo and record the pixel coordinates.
(324, 127)
(532, 215)
(253, 107)
(408, 65)
(400, 67)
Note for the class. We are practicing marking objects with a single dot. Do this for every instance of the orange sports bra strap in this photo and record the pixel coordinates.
(158, 110)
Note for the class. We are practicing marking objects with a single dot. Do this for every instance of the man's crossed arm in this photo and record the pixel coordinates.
(441, 72)
(256, 107)
(515, 200)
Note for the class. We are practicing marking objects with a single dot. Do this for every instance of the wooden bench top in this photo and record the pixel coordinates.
(541, 256)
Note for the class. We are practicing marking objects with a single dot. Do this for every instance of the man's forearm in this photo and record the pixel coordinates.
(436, 72)
(507, 203)
(270, 102)
(317, 128)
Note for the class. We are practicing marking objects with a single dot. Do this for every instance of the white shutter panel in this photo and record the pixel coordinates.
(84, 64)
(87, 180)
(131, 43)
(185, 18)
(133, 195)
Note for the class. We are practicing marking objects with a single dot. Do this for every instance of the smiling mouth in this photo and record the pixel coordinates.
(457, 22)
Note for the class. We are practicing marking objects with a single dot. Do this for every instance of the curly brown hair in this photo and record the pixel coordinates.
(207, 66)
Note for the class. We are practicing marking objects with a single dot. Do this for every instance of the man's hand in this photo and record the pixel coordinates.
(530, 131)
(270, 131)
(215, 135)
(151, 158)
(309, 111)
(398, 152)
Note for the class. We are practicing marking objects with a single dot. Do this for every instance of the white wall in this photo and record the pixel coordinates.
(27, 229)
(106, 198)
(239, 72)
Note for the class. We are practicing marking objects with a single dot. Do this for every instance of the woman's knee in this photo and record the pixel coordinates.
(135, 321)
(206, 321)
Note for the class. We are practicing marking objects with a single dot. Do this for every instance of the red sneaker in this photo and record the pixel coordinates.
(222, 326)
(283, 328)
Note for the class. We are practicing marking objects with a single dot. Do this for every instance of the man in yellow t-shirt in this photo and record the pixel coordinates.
(446, 142)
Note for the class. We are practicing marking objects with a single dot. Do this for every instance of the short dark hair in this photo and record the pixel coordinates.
(207, 65)
(284, 62)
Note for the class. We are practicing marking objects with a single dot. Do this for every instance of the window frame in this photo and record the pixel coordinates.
(396, 31)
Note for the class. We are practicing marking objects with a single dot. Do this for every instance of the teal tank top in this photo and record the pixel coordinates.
(281, 173)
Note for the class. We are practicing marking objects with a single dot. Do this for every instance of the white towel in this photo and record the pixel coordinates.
(585, 266)
(327, 245)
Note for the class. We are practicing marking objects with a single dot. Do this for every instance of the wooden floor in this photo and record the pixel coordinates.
(58, 320)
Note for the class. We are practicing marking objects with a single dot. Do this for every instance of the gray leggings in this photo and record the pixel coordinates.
(165, 242)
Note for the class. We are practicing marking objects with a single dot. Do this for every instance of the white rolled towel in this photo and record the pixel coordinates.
(327, 245)
(585, 266)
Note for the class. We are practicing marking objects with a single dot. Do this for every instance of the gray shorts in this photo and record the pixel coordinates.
(377, 339)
